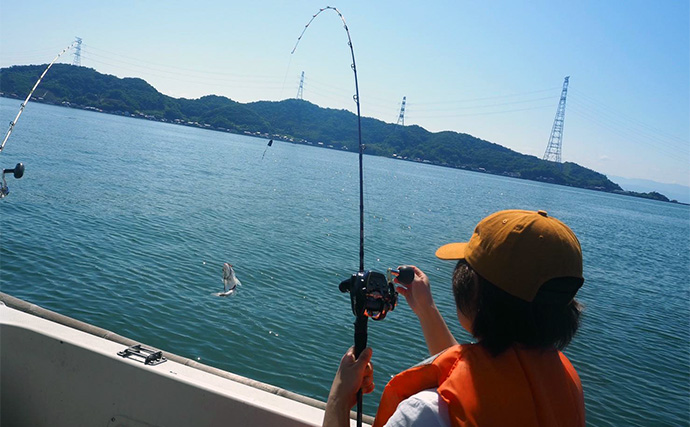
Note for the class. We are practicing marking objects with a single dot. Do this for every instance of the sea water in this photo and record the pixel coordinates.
(126, 223)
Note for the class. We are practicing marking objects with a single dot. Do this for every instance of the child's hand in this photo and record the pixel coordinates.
(417, 293)
(353, 375)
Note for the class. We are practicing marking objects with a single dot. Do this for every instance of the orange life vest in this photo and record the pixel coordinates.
(520, 387)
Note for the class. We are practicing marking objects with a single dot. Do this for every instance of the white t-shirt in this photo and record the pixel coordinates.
(424, 409)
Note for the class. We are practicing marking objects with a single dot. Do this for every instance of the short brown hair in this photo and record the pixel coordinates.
(501, 320)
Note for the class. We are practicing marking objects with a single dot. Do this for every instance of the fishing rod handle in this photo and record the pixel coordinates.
(360, 334)
(360, 345)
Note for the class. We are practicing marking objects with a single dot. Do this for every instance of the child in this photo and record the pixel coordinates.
(514, 287)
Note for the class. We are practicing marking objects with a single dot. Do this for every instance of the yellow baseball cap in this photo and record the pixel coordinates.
(519, 251)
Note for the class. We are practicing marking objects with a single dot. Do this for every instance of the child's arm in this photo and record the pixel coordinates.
(418, 295)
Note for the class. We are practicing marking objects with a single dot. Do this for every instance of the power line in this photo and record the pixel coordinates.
(460, 101)
(176, 75)
(422, 110)
(478, 106)
(169, 69)
(624, 130)
(486, 113)
(624, 133)
(631, 124)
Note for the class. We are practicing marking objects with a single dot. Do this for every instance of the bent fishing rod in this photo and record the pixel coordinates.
(18, 170)
(372, 294)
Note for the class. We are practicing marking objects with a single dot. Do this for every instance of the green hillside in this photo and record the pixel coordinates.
(293, 120)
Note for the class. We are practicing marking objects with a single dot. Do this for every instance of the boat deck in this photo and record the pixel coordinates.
(58, 371)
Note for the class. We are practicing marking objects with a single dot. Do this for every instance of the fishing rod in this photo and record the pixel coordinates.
(372, 294)
(18, 170)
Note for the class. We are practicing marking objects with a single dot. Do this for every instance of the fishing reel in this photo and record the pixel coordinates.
(373, 294)
(18, 172)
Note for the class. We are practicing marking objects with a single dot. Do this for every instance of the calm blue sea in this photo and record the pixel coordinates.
(126, 223)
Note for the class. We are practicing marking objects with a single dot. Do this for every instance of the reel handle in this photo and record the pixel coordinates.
(18, 171)
(405, 274)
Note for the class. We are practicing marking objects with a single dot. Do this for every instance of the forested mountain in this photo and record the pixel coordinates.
(293, 120)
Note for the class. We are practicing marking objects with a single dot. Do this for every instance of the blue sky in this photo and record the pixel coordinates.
(490, 69)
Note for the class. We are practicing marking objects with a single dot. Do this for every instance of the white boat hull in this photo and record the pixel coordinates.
(55, 375)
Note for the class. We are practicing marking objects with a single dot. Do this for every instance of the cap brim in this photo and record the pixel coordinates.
(452, 251)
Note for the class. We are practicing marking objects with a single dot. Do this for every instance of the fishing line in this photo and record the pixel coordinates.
(287, 70)
(18, 170)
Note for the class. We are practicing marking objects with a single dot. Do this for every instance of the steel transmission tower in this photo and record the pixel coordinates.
(300, 91)
(553, 149)
(401, 116)
(77, 52)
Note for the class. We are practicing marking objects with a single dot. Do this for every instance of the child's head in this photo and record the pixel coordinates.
(499, 320)
(516, 280)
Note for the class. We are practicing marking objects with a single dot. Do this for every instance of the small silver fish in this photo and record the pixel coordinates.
(230, 281)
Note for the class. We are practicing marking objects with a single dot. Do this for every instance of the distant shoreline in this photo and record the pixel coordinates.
(649, 196)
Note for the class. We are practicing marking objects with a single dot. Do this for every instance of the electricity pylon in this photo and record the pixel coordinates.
(300, 91)
(77, 53)
(401, 116)
(553, 149)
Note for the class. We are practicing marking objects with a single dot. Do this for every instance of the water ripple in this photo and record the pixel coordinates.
(140, 253)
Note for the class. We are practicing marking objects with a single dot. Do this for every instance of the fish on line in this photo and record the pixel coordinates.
(230, 281)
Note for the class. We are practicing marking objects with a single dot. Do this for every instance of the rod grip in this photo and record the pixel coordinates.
(360, 334)
(360, 345)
